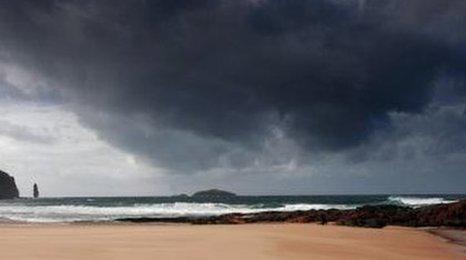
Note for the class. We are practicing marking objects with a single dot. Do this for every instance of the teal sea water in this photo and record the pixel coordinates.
(111, 208)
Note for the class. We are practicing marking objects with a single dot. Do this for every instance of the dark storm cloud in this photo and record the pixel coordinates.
(191, 82)
(436, 134)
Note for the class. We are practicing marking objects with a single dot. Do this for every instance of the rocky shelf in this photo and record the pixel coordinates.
(452, 215)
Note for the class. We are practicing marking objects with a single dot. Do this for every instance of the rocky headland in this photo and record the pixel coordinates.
(8, 188)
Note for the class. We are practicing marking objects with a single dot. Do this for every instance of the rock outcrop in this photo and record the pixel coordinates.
(452, 215)
(8, 189)
(36, 191)
(213, 194)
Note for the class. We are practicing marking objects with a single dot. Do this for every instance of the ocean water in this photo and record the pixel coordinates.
(111, 208)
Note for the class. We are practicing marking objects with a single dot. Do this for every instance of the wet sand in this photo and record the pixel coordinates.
(250, 241)
(456, 236)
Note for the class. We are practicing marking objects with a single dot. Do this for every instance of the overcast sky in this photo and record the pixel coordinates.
(142, 97)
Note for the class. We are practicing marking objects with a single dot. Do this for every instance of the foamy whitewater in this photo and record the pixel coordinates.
(108, 209)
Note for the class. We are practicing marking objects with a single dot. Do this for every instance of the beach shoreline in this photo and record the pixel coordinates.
(451, 235)
(367, 232)
(77, 241)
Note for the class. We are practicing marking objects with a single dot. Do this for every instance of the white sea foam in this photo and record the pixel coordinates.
(70, 213)
(418, 201)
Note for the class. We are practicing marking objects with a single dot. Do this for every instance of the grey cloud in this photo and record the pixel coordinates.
(23, 133)
(196, 85)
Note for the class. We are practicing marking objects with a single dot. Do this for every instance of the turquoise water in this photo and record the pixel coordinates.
(111, 208)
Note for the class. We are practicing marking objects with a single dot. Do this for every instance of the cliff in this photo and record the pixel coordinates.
(8, 189)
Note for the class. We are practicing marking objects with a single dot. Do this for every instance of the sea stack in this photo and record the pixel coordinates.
(8, 189)
(36, 191)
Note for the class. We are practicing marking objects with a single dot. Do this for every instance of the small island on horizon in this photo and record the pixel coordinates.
(209, 194)
(213, 194)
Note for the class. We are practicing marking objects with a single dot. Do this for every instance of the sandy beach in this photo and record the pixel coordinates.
(252, 241)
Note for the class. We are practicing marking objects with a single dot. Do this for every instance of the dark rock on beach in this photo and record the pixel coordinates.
(378, 216)
(450, 215)
(8, 189)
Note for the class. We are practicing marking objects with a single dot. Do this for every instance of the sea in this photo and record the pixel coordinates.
(102, 209)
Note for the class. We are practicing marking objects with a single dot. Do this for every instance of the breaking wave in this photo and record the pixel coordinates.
(417, 201)
(72, 213)
(96, 209)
